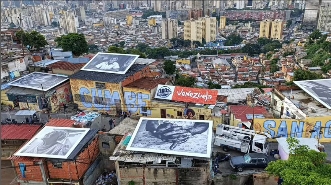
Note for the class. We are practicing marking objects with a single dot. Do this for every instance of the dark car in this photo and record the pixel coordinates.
(251, 160)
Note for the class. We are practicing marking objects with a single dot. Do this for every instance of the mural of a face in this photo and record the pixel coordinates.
(190, 114)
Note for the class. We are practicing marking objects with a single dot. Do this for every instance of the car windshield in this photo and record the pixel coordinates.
(247, 158)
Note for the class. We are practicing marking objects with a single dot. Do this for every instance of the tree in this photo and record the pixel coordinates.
(142, 47)
(306, 75)
(304, 166)
(315, 35)
(74, 42)
(233, 39)
(288, 23)
(114, 49)
(55, 24)
(211, 85)
(136, 52)
(185, 81)
(121, 44)
(251, 49)
(12, 25)
(93, 48)
(34, 40)
(169, 67)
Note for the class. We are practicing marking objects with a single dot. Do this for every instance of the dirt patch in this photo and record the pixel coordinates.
(7, 173)
(306, 101)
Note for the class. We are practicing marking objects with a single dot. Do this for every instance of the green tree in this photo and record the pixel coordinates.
(55, 24)
(185, 81)
(169, 67)
(300, 75)
(93, 48)
(74, 42)
(136, 52)
(211, 85)
(233, 39)
(304, 166)
(158, 53)
(142, 47)
(12, 25)
(114, 49)
(251, 49)
(315, 35)
(288, 23)
(33, 39)
(121, 44)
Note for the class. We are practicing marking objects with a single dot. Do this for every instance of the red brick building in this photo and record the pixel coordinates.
(60, 171)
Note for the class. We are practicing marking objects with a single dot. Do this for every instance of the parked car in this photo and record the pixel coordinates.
(251, 160)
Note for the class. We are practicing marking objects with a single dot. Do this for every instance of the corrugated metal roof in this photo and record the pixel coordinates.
(60, 122)
(18, 131)
(5, 86)
(23, 91)
(80, 60)
(107, 77)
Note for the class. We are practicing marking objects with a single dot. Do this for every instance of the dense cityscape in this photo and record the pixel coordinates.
(180, 92)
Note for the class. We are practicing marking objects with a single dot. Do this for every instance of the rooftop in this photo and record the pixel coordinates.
(147, 83)
(60, 123)
(66, 66)
(127, 125)
(18, 131)
(245, 112)
(307, 104)
(235, 95)
(107, 77)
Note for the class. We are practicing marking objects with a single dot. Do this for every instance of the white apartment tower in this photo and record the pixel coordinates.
(324, 18)
(169, 28)
(68, 22)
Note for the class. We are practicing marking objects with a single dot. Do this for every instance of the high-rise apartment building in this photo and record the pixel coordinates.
(203, 28)
(277, 29)
(222, 22)
(265, 26)
(169, 28)
(271, 29)
(324, 18)
(68, 22)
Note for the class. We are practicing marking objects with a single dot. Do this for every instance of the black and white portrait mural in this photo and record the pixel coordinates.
(318, 89)
(111, 63)
(39, 81)
(53, 142)
(173, 136)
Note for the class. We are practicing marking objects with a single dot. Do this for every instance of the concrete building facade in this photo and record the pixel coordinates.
(271, 29)
(324, 19)
(203, 28)
(169, 28)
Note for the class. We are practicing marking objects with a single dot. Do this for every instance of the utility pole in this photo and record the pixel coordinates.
(20, 19)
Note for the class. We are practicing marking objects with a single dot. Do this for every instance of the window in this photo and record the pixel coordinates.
(144, 109)
(57, 164)
(179, 113)
(202, 117)
(259, 145)
(261, 160)
(105, 145)
(253, 161)
(144, 114)
(99, 85)
(77, 97)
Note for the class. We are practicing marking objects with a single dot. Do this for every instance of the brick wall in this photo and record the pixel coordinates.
(74, 170)
(146, 72)
(164, 176)
(33, 169)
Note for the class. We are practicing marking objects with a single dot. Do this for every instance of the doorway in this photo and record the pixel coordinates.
(201, 117)
(163, 113)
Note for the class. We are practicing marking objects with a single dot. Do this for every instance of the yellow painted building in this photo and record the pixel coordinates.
(4, 97)
(296, 128)
(174, 110)
(272, 29)
(97, 96)
(152, 22)
(129, 20)
(277, 29)
(183, 61)
(204, 27)
(265, 26)
(222, 22)
(138, 101)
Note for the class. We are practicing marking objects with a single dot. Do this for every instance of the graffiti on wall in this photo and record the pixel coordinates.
(98, 98)
(308, 128)
(137, 103)
(106, 100)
